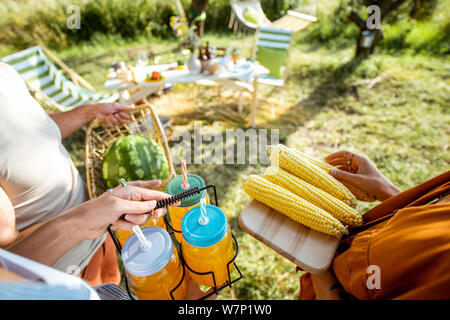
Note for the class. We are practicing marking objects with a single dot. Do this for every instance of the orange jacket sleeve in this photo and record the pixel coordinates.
(410, 252)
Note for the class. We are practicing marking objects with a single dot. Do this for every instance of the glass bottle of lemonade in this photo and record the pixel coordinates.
(155, 271)
(177, 213)
(207, 246)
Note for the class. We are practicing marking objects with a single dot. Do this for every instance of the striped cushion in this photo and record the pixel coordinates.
(41, 74)
(272, 47)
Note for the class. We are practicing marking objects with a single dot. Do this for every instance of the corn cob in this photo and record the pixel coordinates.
(293, 206)
(338, 209)
(360, 195)
(321, 164)
(299, 166)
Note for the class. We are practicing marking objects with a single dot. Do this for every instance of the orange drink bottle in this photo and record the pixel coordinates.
(207, 247)
(154, 271)
(123, 235)
(177, 213)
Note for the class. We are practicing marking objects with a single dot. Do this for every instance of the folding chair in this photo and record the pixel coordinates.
(47, 83)
(272, 51)
(293, 20)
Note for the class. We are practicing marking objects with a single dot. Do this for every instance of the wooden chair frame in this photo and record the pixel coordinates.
(75, 77)
(293, 20)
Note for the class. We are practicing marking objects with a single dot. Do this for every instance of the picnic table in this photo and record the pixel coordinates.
(242, 75)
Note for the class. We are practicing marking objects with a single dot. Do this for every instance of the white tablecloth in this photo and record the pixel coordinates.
(244, 71)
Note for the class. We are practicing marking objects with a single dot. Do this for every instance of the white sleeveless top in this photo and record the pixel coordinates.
(36, 171)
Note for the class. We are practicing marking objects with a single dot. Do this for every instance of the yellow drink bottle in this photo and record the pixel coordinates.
(155, 271)
(177, 213)
(207, 245)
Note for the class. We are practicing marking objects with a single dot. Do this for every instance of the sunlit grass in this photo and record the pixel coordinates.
(392, 109)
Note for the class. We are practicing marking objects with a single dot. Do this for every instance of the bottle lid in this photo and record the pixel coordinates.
(141, 263)
(204, 235)
(174, 187)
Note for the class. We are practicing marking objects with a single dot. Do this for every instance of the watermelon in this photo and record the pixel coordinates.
(134, 158)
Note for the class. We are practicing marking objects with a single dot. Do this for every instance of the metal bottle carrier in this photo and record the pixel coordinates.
(165, 203)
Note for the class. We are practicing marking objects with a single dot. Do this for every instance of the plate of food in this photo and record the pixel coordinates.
(155, 76)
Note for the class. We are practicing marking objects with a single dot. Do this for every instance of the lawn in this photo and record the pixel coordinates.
(394, 108)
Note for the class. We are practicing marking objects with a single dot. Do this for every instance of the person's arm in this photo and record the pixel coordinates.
(327, 287)
(359, 172)
(55, 237)
(8, 231)
(49, 241)
(149, 184)
(73, 120)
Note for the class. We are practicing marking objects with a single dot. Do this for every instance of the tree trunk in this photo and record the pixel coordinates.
(197, 7)
(386, 6)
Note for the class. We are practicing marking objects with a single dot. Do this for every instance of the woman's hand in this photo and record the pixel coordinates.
(194, 292)
(148, 184)
(112, 113)
(327, 287)
(73, 120)
(123, 208)
(359, 172)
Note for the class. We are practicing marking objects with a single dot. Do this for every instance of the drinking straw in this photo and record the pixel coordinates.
(145, 244)
(203, 217)
(185, 184)
(123, 182)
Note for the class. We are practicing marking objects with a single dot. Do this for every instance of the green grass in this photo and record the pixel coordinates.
(27, 22)
(392, 108)
(425, 32)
